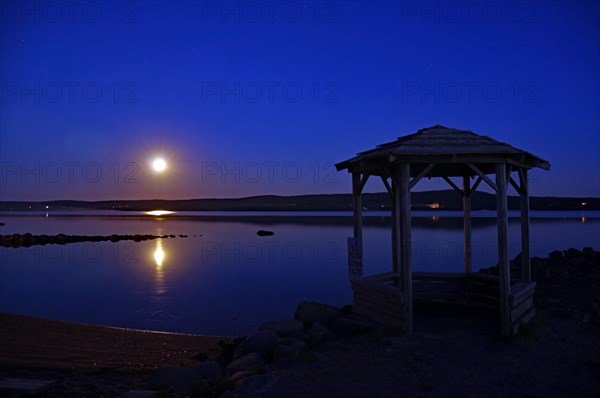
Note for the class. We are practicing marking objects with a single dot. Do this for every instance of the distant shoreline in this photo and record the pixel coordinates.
(426, 200)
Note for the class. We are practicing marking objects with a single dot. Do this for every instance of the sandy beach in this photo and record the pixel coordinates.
(90, 360)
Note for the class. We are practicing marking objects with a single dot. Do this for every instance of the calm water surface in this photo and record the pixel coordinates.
(226, 279)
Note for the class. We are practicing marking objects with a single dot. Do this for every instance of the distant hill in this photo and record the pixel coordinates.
(446, 200)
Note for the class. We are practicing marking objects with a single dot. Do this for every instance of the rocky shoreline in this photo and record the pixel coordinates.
(257, 365)
(27, 240)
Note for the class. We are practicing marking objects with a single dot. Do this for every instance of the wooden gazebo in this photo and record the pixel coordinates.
(443, 152)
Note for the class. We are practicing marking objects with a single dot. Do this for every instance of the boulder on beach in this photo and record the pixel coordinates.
(248, 362)
(285, 328)
(261, 343)
(310, 311)
(288, 347)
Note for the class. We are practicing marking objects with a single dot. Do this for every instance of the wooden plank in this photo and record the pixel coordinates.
(524, 320)
(525, 254)
(520, 309)
(376, 289)
(521, 292)
(387, 276)
(441, 276)
(443, 286)
(503, 261)
(406, 239)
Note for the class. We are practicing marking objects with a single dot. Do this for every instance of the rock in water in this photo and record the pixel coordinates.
(262, 232)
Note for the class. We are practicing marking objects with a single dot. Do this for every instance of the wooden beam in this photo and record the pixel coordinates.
(483, 176)
(374, 164)
(525, 254)
(363, 181)
(422, 174)
(405, 237)
(520, 292)
(503, 262)
(523, 176)
(477, 182)
(385, 277)
(467, 223)
(387, 185)
(453, 185)
(357, 204)
(514, 185)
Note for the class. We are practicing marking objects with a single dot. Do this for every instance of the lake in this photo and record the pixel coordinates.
(223, 278)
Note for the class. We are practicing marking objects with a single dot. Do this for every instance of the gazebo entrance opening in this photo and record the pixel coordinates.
(443, 152)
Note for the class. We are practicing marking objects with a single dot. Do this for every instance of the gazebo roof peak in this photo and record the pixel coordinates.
(441, 144)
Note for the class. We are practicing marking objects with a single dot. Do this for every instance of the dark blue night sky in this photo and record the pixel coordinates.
(249, 98)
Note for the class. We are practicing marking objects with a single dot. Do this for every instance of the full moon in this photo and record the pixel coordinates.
(159, 165)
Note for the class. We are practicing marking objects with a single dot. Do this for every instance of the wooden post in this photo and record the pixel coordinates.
(396, 260)
(406, 239)
(503, 265)
(468, 257)
(467, 223)
(525, 255)
(357, 204)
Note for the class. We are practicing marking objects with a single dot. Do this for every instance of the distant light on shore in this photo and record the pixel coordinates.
(159, 212)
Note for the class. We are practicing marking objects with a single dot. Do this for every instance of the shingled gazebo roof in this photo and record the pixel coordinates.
(451, 149)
